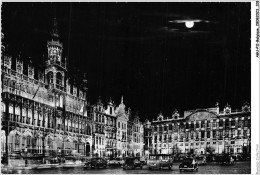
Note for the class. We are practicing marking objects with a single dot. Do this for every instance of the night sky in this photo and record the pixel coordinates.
(136, 50)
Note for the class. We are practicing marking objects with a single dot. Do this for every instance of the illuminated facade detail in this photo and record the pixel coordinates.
(203, 131)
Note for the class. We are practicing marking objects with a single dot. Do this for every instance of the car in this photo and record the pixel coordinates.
(96, 162)
(189, 163)
(133, 162)
(116, 161)
(227, 160)
(201, 160)
(160, 161)
(180, 157)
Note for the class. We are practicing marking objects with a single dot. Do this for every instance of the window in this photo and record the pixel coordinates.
(208, 143)
(192, 125)
(227, 133)
(197, 144)
(187, 125)
(214, 124)
(232, 133)
(233, 122)
(239, 132)
(165, 128)
(59, 79)
(192, 134)
(220, 123)
(160, 138)
(246, 123)
(118, 124)
(197, 124)
(240, 123)
(232, 142)
(208, 124)
(208, 134)
(155, 128)
(191, 144)
(214, 143)
(214, 134)
(220, 143)
(202, 143)
(203, 124)
(186, 144)
(50, 77)
(226, 123)
(220, 133)
(202, 134)
(170, 127)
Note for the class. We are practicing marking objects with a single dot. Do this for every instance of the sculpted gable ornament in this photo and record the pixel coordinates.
(201, 115)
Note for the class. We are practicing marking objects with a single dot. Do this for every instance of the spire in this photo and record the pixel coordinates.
(122, 100)
(54, 30)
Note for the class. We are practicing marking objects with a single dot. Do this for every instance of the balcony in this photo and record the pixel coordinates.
(54, 62)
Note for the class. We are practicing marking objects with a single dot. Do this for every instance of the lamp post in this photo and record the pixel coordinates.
(59, 154)
(25, 151)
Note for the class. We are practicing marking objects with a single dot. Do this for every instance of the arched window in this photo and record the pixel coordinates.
(59, 79)
(50, 78)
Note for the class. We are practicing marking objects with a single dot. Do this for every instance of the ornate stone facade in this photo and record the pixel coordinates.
(203, 131)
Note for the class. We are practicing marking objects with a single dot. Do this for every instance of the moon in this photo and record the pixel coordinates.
(189, 24)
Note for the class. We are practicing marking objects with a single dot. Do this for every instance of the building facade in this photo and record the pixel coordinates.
(135, 131)
(203, 131)
(44, 115)
(110, 129)
(121, 136)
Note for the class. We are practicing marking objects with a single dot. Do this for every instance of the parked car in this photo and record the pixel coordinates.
(159, 161)
(181, 157)
(201, 160)
(143, 160)
(96, 163)
(133, 162)
(189, 163)
(227, 160)
(116, 161)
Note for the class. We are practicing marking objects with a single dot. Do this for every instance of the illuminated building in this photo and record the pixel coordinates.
(45, 115)
(203, 131)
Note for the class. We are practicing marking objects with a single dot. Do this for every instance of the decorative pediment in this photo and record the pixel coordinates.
(201, 115)
(175, 115)
(160, 117)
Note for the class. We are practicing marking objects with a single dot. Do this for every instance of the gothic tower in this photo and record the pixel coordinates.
(56, 66)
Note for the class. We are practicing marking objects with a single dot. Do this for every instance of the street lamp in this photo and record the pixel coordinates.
(25, 151)
(59, 153)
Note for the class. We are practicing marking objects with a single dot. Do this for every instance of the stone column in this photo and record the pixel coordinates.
(6, 101)
(21, 110)
(14, 104)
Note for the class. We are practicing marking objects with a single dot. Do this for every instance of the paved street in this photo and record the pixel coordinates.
(238, 168)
